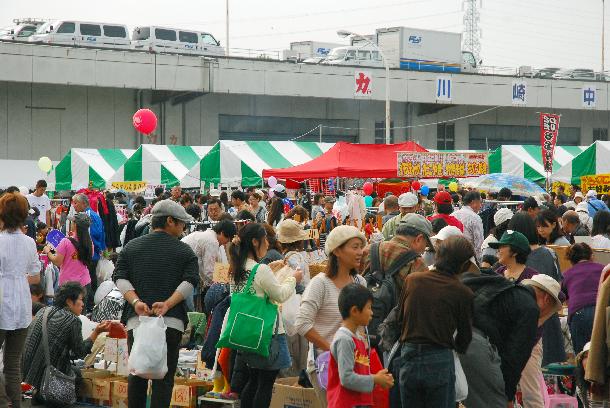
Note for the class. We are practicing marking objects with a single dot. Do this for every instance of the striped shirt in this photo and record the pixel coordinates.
(320, 307)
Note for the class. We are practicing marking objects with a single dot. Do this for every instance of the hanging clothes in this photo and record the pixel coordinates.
(111, 225)
(96, 198)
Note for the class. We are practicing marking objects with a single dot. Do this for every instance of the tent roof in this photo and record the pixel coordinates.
(80, 167)
(162, 164)
(242, 162)
(526, 160)
(593, 160)
(350, 160)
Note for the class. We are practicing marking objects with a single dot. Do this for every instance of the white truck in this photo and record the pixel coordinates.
(309, 51)
(425, 50)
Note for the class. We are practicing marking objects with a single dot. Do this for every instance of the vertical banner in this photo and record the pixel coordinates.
(549, 129)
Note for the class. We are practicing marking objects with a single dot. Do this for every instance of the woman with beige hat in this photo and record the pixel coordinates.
(292, 236)
(319, 317)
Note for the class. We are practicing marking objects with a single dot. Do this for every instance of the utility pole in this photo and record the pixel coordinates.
(603, 33)
(227, 28)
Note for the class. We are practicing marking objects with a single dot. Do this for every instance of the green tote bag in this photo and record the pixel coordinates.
(250, 323)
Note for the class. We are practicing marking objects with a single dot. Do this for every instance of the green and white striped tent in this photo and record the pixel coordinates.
(81, 168)
(242, 163)
(162, 164)
(595, 159)
(526, 160)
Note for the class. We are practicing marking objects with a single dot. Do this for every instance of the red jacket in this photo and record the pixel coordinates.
(450, 219)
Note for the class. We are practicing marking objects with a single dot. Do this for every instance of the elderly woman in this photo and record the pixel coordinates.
(18, 260)
(580, 284)
(64, 335)
(319, 317)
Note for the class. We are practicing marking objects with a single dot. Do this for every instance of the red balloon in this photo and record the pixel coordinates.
(416, 185)
(367, 188)
(145, 121)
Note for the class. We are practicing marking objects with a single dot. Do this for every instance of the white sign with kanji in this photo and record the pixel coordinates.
(519, 92)
(443, 88)
(589, 97)
(363, 84)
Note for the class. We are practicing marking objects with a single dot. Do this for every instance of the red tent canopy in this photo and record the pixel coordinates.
(350, 160)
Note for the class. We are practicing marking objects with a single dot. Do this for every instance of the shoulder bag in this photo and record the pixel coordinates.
(56, 387)
(250, 322)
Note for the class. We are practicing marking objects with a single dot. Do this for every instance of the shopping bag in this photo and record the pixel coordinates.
(250, 321)
(104, 270)
(148, 358)
(290, 309)
(461, 384)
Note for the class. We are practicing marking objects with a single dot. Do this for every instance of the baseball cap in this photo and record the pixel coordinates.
(502, 215)
(446, 232)
(407, 200)
(169, 208)
(547, 284)
(420, 224)
(514, 239)
(443, 197)
(279, 188)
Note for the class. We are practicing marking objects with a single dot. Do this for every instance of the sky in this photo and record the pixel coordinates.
(537, 33)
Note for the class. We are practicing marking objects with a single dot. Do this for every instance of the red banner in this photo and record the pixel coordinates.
(549, 129)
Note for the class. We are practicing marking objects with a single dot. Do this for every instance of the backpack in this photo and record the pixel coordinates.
(383, 287)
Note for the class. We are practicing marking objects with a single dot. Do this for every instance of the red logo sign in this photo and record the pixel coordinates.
(363, 83)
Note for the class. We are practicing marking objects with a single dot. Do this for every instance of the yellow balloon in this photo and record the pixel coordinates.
(45, 164)
(453, 186)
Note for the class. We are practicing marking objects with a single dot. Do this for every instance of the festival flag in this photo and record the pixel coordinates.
(549, 129)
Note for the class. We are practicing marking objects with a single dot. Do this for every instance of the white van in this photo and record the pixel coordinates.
(20, 32)
(366, 56)
(83, 34)
(174, 40)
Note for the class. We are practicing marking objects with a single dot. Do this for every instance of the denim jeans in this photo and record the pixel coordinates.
(581, 326)
(427, 377)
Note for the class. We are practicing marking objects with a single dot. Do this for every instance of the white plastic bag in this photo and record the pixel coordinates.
(290, 308)
(104, 270)
(461, 384)
(148, 358)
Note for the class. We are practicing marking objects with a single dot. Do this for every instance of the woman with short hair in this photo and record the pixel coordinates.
(580, 285)
(18, 260)
(64, 335)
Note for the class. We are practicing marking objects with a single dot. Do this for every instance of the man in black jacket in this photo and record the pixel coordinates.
(505, 320)
(155, 273)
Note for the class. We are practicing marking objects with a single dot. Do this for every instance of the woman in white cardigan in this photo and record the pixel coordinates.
(247, 249)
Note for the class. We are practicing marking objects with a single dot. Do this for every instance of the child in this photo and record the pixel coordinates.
(350, 382)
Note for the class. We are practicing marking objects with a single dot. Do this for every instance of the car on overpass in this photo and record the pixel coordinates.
(82, 34)
(22, 29)
(546, 73)
(175, 40)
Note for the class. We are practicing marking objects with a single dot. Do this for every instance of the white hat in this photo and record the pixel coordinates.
(214, 193)
(547, 284)
(502, 215)
(407, 200)
(446, 232)
(591, 194)
(279, 188)
(579, 194)
(340, 235)
(582, 207)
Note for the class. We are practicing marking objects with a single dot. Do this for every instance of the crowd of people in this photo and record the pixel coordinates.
(420, 297)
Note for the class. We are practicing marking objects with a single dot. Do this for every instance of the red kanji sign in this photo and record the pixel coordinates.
(549, 129)
(363, 83)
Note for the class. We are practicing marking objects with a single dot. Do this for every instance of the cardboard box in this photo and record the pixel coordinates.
(115, 350)
(85, 386)
(186, 392)
(221, 273)
(119, 393)
(288, 394)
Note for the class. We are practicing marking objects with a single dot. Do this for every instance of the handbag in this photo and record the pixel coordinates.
(266, 363)
(56, 387)
(250, 322)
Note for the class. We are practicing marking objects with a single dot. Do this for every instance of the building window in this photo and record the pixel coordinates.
(600, 134)
(245, 127)
(445, 136)
(489, 137)
(380, 132)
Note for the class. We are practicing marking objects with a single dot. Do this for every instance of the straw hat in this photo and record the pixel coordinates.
(291, 231)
